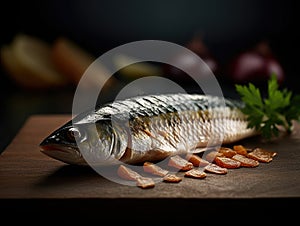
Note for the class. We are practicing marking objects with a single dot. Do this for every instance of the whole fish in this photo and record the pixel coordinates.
(148, 128)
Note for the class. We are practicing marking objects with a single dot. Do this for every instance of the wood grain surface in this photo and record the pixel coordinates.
(35, 188)
(25, 172)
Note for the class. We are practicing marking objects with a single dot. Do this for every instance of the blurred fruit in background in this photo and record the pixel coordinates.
(74, 62)
(132, 69)
(255, 65)
(70, 59)
(34, 64)
(28, 63)
(197, 46)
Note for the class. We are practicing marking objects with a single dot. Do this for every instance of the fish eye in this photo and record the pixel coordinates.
(73, 133)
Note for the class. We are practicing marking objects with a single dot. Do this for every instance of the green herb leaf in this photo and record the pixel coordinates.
(280, 108)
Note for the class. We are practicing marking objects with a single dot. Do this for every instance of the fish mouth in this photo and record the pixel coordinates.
(66, 154)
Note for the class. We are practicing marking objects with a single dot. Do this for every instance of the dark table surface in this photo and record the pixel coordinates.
(36, 187)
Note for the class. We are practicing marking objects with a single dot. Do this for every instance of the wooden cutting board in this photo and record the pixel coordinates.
(36, 188)
(25, 172)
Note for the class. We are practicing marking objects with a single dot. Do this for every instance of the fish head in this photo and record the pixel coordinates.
(82, 143)
(62, 144)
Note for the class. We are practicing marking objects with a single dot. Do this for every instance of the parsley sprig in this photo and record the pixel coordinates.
(279, 108)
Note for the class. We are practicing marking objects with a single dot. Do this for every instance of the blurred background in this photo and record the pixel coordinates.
(47, 45)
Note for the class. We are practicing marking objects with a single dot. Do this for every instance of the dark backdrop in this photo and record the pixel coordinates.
(226, 26)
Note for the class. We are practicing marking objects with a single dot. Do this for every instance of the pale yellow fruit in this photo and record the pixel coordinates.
(135, 70)
(28, 61)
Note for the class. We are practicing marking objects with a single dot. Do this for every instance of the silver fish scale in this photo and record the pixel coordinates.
(153, 105)
(192, 133)
(178, 123)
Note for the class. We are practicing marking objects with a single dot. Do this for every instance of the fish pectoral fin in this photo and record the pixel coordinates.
(200, 149)
(157, 154)
(127, 155)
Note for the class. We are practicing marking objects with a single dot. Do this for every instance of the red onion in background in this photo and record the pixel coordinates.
(255, 65)
(199, 48)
